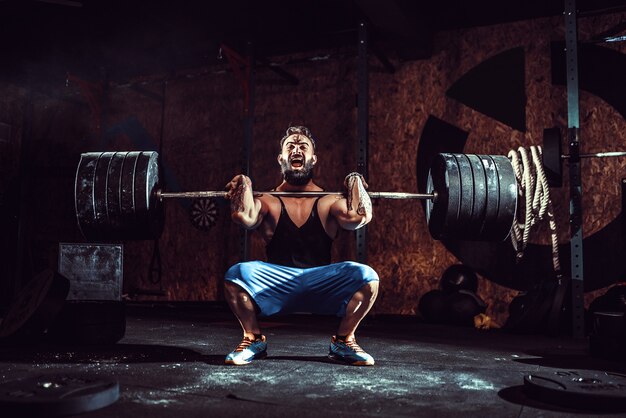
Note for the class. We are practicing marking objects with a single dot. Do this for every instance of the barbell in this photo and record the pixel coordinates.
(553, 156)
(117, 196)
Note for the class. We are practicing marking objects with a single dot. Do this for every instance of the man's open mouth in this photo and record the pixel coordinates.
(297, 162)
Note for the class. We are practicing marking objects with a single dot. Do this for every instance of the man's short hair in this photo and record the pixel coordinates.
(301, 130)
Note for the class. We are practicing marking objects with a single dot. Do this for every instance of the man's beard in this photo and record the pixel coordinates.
(297, 177)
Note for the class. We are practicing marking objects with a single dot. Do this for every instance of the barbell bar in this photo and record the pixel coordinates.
(117, 196)
(553, 157)
(605, 154)
(217, 194)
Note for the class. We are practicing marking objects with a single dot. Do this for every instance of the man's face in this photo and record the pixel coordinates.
(297, 159)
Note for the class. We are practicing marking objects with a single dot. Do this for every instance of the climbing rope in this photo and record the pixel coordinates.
(534, 191)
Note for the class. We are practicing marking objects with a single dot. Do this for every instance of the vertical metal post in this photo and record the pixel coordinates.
(362, 129)
(24, 220)
(248, 132)
(576, 216)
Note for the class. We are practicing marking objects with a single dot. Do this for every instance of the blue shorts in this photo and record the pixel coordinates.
(324, 290)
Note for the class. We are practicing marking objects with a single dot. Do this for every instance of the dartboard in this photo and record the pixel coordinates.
(203, 213)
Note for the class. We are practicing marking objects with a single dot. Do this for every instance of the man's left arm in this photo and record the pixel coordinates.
(354, 210)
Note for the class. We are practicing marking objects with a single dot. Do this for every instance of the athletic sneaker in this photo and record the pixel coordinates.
(247, 350)
(349, 352)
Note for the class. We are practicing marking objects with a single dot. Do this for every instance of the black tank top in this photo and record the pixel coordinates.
(307, 246)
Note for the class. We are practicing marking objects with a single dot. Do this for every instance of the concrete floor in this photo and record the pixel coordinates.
(170, 363)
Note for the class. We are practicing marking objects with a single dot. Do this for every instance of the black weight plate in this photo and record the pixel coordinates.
(501, 198)
(53, 395)
(453, 181)
(142, 201)
(508, 197)
(587, 389)
(551, 156)
(475, 223)
(443, 213)
(101, 221)
(148, 209)
(114, 183)
(127, 196)
(493, 198)
(436, 210)
(466, 197)
(156, 207)
(83, 192)
(141, 184)
(36, 306)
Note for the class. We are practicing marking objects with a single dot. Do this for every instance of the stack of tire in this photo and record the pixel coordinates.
(89, 322)
(40, 312)
(456, 301)
(607, 324)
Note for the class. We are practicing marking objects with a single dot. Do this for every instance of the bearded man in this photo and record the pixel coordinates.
(298, 275)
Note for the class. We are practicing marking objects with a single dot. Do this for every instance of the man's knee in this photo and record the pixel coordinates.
(369, 291)
(230, 288)
(234, 272)
(232, 292)
(363, 272)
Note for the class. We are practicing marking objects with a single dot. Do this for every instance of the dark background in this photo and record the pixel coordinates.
(78, 76)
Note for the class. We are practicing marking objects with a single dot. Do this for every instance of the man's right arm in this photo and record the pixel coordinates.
(245, 210)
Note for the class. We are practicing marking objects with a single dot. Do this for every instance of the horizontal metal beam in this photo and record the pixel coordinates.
(598, 155)
(374, 195)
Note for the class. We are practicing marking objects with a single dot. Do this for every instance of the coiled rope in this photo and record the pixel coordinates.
(533, 188)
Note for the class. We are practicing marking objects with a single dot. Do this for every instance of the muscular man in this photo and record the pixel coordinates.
(298, 276)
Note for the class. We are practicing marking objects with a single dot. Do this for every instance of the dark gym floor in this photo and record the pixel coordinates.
(170, 363)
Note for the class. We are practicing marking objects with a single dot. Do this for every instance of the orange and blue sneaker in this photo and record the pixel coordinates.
(247, 350)
(349, 352)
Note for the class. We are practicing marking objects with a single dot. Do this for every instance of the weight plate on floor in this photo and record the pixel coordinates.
(578, 388)
(57, 395)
